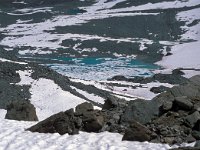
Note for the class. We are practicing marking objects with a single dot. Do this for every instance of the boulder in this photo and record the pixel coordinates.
(21, 110)
(159, 89)
(112, 110)
(183, 102)
(167, 105)
(84, 107)
(138, 132)
(93, 121)
(110, 103)
(141, 111)
(62, 123)
(164, 97)
(189, 90)
(192, 119)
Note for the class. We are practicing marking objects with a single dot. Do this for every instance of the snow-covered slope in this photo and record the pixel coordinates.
(13, 136)
(183, 56)
(186, 54)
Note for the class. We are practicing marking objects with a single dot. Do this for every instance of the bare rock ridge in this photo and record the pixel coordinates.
(85, 118)
(172, 117)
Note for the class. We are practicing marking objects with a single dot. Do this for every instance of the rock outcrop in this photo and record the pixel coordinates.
(171, 117)
(140, 110)
(22, 111)
(138, 132)
(85, 118)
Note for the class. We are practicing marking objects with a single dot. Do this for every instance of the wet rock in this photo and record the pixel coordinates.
(138, 132)
(21, 110)
(183, 103)
(63, 122)
(141, 111)
(192, 119)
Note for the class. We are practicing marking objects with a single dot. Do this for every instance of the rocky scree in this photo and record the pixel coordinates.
(171, 117)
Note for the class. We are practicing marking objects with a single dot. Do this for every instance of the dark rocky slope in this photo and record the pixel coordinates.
(172, 117)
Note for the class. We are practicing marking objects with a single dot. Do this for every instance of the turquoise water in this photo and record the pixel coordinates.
(102, 68)
(128, 62)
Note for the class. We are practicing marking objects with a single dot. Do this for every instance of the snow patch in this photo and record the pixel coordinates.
(47, 97)
(13, 136)
(6, 60)
(184, 56)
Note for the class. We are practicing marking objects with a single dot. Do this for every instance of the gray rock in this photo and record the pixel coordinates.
(197, 106)
(138, 132)
(167, 105)
(196, 135)
(195, 80)
(159, 89)
(93, 121)
(114, 103)
(21, 110)
(141, 111)
(197, 144)
(164, 97)
(84, 107)
(177, 72)
(190, 139)
(183, 102)
(62, 123)
(189, 90)
(169, 140)
(110, 103)
(192, 119)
